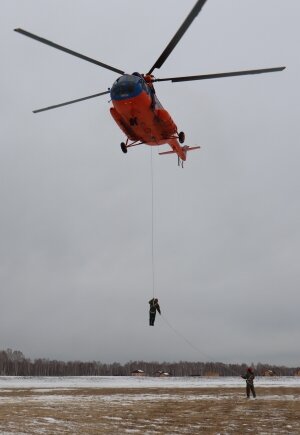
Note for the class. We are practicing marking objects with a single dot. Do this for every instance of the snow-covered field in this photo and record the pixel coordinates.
(147, 406)
(8, 382)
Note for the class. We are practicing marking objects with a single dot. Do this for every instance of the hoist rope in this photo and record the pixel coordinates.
(152, 224)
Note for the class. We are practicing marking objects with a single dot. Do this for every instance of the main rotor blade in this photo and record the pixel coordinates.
(178, 35)
(70, 102)
(220, 75)
(67, 50)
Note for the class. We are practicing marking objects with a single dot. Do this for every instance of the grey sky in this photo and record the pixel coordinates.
(75, 223)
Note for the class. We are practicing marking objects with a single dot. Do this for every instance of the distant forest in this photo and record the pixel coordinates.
(14, 363)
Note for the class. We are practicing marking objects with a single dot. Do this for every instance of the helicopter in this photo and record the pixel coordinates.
(135, 106)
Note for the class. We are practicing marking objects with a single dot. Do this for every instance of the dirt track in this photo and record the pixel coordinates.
(149, 411)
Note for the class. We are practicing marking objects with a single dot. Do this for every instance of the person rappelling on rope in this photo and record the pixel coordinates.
(249, 377)
(154, 306)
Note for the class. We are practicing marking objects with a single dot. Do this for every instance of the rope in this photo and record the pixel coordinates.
(185, 339)
(196, 348)
(152, 224)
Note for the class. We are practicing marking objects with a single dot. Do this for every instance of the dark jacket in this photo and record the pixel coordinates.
(249, 377)
(154, 306)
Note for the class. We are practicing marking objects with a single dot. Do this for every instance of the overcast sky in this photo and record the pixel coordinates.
(75, 222)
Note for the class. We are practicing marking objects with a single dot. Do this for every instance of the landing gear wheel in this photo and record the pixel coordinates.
(123, 147)
(181, 137)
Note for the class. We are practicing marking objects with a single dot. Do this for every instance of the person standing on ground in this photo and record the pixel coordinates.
(154, 306)
(249, 377)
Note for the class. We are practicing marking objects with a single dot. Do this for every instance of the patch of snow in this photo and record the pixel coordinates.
(44, 383)
(132, 431)
(50, 420)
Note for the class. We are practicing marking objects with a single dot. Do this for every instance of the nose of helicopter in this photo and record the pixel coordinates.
(126, 86)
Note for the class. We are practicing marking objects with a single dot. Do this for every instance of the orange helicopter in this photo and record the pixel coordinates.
(136, 108)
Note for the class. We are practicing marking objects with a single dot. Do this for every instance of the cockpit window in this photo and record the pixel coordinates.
(125, 89)
(126, 86)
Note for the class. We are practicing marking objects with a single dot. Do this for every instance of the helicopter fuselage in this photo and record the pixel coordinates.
(140, 115)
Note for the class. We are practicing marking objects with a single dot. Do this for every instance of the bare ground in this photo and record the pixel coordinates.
(146, 411)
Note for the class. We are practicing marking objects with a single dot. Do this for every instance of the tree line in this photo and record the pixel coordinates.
(14, 363)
